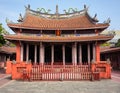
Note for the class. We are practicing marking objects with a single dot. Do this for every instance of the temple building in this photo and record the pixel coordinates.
(111, 54)
(72, 38)
(5, 53)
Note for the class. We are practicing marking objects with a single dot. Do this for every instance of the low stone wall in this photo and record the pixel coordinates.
(16, 69)
(103, 67)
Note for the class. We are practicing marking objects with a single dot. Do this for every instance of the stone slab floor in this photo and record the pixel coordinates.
(103, 86)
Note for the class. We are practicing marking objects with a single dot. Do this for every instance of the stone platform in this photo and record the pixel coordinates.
(103, 86)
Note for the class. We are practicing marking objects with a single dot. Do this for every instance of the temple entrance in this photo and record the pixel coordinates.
(31, 53)
(91, 52)
(84, 53)
(58, 54)
(38, 54)
(24, 52)
(68, 54)
(48, 54)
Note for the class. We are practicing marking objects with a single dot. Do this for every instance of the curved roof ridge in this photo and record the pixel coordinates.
(78, 20)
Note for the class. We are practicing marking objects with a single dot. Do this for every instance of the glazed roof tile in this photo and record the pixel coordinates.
(110, 50)
(7, 49)
(58, 38)
(40, 22)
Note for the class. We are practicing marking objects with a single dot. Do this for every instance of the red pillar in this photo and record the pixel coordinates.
(97, 52)
(18, 52)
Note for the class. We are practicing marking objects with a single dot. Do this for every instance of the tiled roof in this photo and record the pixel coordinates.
(81, 21)
(110, 50)
(58, 38)
(7, 49)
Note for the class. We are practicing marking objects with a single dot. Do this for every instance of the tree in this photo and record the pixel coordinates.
(106, 44)
(2, 32)
(118, 43)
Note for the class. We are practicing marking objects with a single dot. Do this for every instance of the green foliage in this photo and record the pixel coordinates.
(118, 43)
(12, 45)
(2, 40)
(105, 44)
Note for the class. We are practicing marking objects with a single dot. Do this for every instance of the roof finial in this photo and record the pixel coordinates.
(57, 13)
(20, 18)
(56, 9)
(107, 21)
(85, 7)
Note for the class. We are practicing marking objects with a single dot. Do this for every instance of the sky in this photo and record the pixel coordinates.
(104, 8)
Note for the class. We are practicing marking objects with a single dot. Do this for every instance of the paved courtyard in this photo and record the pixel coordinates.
(103, 86)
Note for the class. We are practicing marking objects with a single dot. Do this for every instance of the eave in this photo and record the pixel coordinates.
(58, 38)
(18, 26)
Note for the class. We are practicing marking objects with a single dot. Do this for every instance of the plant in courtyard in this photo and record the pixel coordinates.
(105, 44)
(2, 32)
(118, 43)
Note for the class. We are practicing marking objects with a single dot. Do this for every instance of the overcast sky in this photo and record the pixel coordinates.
(104, 8)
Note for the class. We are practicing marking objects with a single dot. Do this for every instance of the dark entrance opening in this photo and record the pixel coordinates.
(38, 54)
(24, 52)
(58, 54)
(47, 54)
(84, 53)
(78, 54)
(31, 53)
(68, 55)
(91, 52)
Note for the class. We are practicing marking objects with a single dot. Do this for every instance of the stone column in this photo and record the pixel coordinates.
(94, 53)
(35, 54)
(41, 53)
(27, 52)
(52, 54)
(63, 49)
(88, 53)
(22, 47)
(98, 52)
(18, 52)
(74, 53)
(80, 54)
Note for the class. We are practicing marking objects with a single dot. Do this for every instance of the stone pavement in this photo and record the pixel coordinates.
(116, 76)
(4, 78)
(103, 86)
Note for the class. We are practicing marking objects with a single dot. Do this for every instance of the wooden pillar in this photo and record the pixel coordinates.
(88, 53)
(18, 52)
(74, 53)
(22, 47)
(52, 54)
(41, 53)
(27, 52)
(94, 53)
(80, 54)
(63, 49)
(98, 52)
(35, 54)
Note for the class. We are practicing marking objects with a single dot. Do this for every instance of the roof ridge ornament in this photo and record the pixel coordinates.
(107, 21)
(27, 7)
(44, 11)
(95, 17)
(71, 10)
(86, 7)
(8, 21)
(57, 11)
(20, 18)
